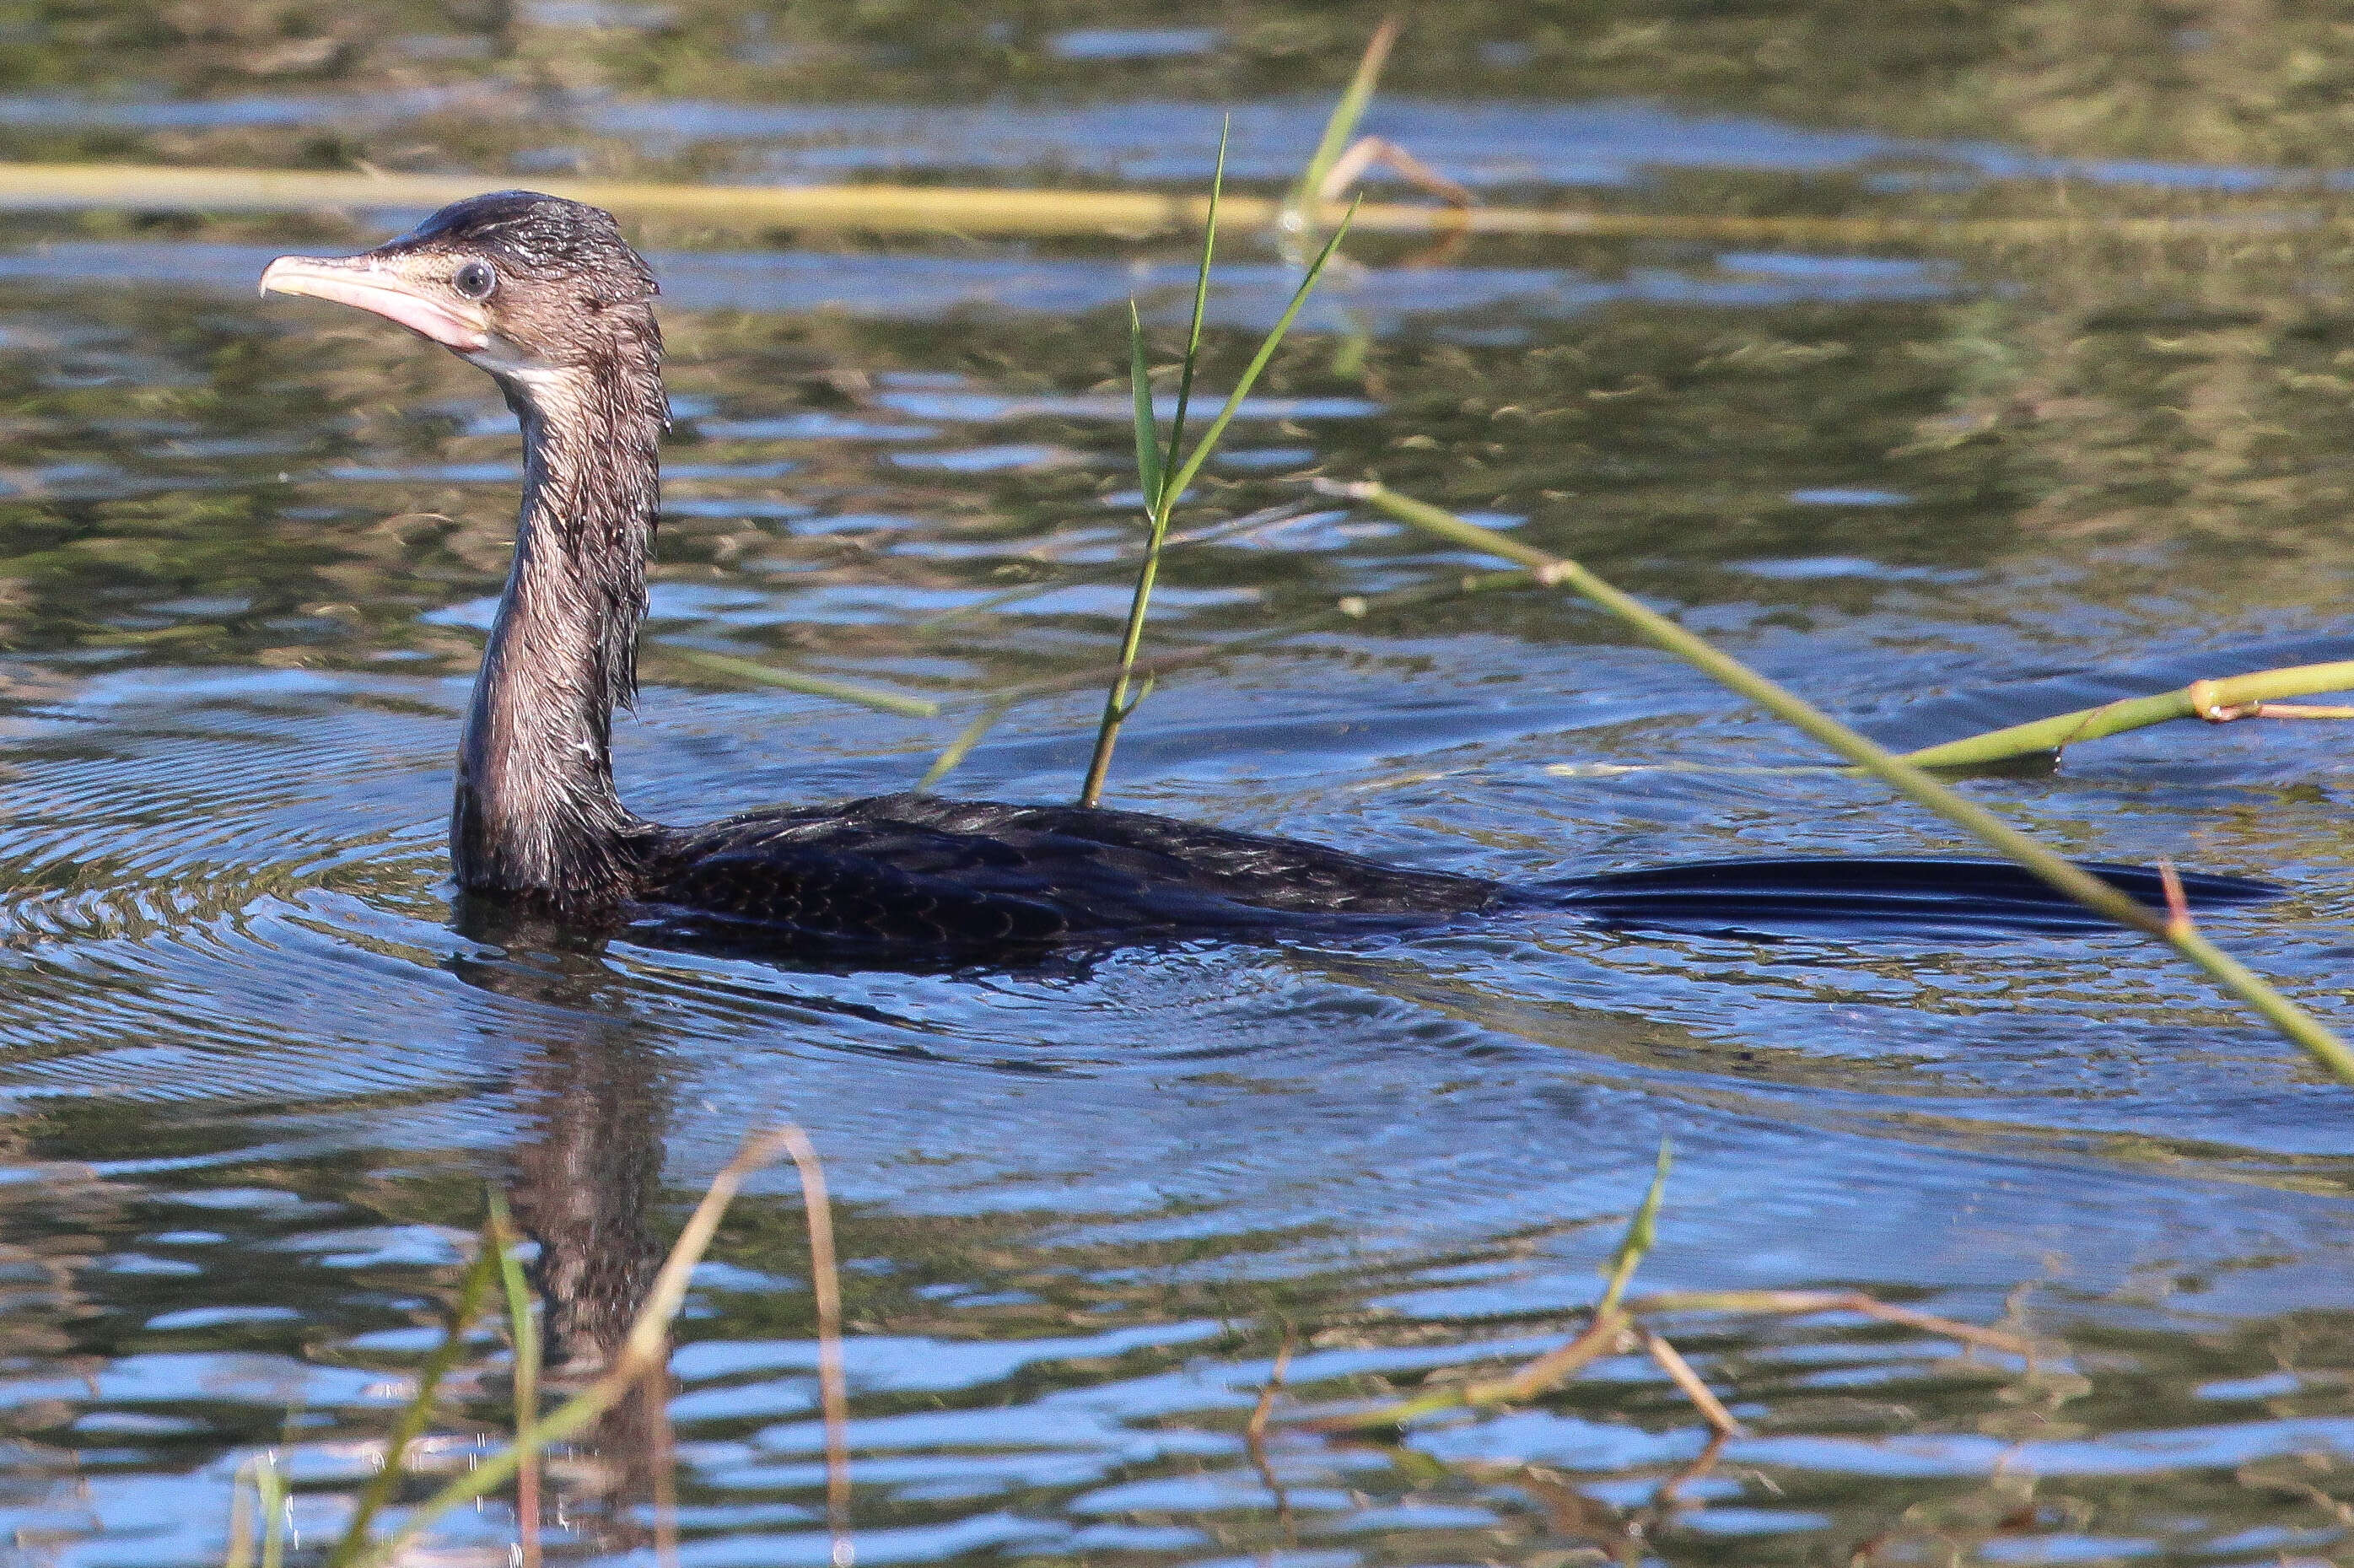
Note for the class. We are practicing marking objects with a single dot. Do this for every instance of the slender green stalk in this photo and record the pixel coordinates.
(270, 1497)
(472, 1287)
(1117, 703)
(1300, 205)
(1642, 1234)
(1148, 470)
(2227, 697)
(522, 1330)
(1906, 778)
(962, 746)
(240, 1552)
(1154, 497)
(814, 685)
(644, 1350)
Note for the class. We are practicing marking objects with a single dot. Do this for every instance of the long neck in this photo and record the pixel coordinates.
(536, 814)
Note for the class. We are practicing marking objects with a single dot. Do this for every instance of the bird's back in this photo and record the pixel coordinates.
(917, 871)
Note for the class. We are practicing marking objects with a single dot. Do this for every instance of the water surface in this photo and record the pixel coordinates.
(258, 1073)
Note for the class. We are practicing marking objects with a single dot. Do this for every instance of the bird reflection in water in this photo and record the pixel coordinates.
(586, 1175)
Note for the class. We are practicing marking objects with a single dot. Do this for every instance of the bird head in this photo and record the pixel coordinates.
(528, 287)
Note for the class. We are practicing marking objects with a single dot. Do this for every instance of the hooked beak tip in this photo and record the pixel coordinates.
(356, 281)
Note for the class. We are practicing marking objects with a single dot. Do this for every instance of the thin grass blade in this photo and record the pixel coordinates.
(1300, 205)
(270, 1495)
(1148, 470)
(813, 686)
(1200, 302)
(523, 1331)
(240, 1552)
(645, 1348)
(1642, 1233)
(833, 1387)
(1274, 340)
(472, 1289)
(967, 738)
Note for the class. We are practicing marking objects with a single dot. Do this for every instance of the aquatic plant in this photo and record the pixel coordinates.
(1909, 778)
(1162, 474)
(1618, 1324)
(643, 1355)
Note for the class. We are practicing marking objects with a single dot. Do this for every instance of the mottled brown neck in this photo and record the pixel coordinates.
(537, 815)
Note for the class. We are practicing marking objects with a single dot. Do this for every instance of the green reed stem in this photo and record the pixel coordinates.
(645, 1349)
(270, 1497)
(1908, 779)
(1300, 205)
(1153, 473)
(2228, 697)
(1642, 1234)
(814, 685)
(523, 1331)
(472, 1287)
(1162, 499)
(1154, 496)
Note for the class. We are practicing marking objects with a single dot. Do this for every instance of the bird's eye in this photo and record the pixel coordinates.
(475, 280)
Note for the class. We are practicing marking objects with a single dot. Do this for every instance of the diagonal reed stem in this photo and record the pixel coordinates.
(1908, 779)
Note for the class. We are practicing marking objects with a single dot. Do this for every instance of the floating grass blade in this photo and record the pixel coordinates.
(997, 211)
(2225, 698)
(1298, 214)
(472, 1287)
(1906, 778)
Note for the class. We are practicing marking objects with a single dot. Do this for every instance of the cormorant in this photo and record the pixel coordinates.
(547, 296)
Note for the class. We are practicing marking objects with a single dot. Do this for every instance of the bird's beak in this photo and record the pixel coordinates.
(372, 285)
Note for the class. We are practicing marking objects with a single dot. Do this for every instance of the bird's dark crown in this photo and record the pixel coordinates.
(541, 238)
